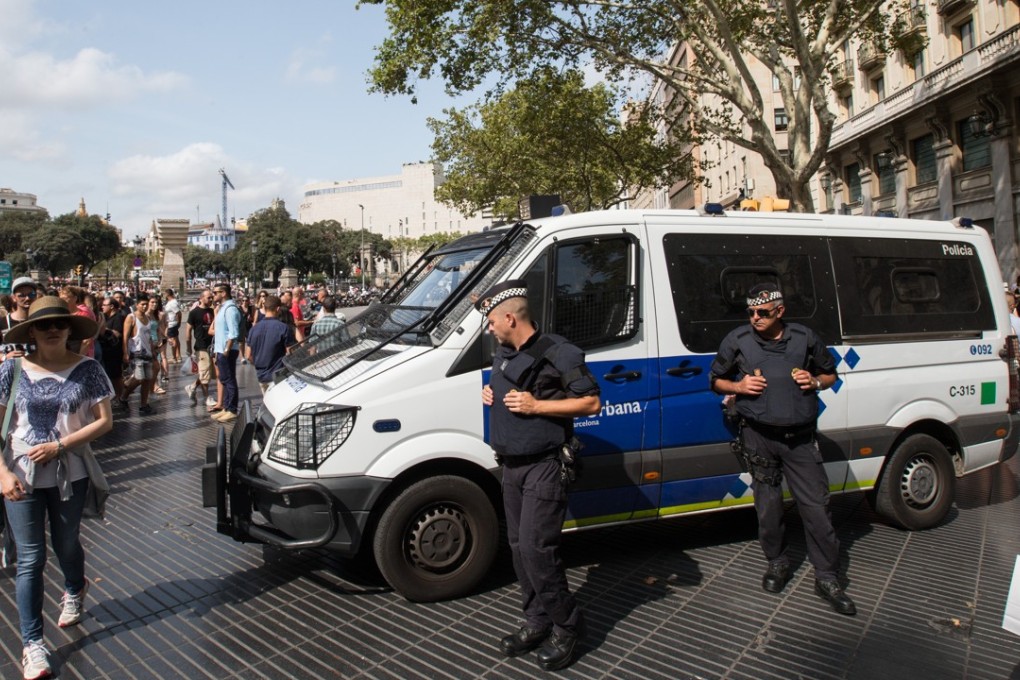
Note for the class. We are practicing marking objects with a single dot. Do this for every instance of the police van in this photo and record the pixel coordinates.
(374, 439)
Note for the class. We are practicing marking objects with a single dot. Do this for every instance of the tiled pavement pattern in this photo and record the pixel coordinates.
(679, 599)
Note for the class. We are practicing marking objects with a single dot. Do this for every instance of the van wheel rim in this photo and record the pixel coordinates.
(438, 538)
(920, 482)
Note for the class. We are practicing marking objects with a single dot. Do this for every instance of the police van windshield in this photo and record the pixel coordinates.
(402, 318)
(439, 276)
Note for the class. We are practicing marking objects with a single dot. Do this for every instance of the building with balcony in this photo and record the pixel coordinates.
(927, 127)
(929, 130)
(394, 205)
(16, 201)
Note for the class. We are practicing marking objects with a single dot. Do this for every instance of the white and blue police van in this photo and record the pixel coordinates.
(373, 440)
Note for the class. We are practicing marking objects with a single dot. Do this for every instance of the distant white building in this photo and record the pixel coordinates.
(16, 201)
(212, 236)
(394, 205)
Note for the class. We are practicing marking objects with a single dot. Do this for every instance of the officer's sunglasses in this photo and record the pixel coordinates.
(761, 313)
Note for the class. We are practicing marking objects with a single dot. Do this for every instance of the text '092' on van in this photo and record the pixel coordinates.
(373, 438)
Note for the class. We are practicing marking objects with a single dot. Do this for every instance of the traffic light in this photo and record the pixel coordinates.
(78, 269)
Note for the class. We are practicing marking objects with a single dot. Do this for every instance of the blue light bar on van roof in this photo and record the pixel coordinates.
(559, 210)
(714, 209)
(963, 222)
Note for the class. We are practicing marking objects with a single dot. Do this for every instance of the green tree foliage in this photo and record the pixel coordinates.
(551, 135)
(71, 240)
(718, 96)
(14, 226)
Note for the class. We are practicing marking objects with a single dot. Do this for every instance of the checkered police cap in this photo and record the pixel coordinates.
(500, 293)
(764, 293)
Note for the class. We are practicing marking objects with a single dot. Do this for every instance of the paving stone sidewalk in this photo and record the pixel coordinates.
(171, 598)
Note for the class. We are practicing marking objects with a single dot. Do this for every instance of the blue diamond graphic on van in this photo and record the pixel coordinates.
(835, 355)
(838, 384)
(739, 488)
(852, 358)
(821, 407)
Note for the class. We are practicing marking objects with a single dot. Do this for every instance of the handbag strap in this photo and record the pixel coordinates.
(10, 400)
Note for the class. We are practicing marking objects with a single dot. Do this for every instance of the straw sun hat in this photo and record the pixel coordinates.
(51, 307)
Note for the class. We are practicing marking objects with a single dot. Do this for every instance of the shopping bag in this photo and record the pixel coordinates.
(1011, 617)
(189, 366)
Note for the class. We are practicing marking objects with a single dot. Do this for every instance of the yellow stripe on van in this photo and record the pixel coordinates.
(689, 507)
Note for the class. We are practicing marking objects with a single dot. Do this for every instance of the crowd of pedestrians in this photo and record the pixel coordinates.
(72, 358)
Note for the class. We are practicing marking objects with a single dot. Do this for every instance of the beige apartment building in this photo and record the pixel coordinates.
(926, 129)
(930, 131)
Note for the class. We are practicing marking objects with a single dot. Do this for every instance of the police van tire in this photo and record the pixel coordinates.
(437, 539)
(917, 485)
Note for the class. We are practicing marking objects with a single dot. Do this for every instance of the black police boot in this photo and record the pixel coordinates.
(775, 577)
(831, 592)
(523, 640)
(558, 651)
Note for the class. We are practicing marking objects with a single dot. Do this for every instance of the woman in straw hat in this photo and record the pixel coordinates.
(61, 403)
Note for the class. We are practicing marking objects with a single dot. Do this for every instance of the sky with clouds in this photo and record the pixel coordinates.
(135, 106)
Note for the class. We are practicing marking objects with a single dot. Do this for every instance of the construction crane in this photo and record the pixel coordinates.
(226, 183)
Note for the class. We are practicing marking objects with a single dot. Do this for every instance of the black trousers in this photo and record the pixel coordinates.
(801, 465)
(536, 504)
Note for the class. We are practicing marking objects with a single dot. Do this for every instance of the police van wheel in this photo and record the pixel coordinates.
(437, 539)
(918, 483)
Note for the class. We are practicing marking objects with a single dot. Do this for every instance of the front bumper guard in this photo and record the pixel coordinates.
(228, 486)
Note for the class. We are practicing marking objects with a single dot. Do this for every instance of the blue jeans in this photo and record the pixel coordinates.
(27, 519)
(226, 368)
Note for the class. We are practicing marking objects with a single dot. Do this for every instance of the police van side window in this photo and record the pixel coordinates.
(910, 286)
(586, 290)
(711, 274)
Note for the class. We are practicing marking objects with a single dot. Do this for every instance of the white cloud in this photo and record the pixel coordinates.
(302, 68)
(20, 24)
(186, 184)
(91, 78)
(20, 140)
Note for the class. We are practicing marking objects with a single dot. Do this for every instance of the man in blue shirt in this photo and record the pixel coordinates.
(227, 333)
(268, 341)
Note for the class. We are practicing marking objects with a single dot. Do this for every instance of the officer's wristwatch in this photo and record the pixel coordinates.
(817, 383)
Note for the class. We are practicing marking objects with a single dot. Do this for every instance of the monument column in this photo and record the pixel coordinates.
(173, 236)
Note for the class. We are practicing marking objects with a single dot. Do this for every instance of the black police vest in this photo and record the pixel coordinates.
(514, 434)
(783, 403)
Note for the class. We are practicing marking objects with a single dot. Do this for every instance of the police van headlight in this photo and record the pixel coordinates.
(311, 434)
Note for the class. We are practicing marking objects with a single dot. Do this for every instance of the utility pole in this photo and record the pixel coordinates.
(361, 256)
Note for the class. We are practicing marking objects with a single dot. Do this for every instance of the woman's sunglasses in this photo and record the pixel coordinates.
(48, 324)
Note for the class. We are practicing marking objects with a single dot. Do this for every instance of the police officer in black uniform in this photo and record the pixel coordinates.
(775, 369)
(539, 384)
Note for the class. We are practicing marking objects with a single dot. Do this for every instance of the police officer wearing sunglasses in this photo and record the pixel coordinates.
(775, 371)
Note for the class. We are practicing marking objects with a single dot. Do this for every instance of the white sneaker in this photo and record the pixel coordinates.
(190, 389)
(210, 401)
(35, 661)
(73, 606)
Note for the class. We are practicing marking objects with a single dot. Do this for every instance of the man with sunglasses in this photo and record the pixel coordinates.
(24, 292)
(774, 370)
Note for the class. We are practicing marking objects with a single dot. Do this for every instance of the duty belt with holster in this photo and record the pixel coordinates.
(568, 455)
(765, 470)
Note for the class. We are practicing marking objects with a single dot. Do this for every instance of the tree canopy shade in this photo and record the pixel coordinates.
(799, 41)
(550, 135)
